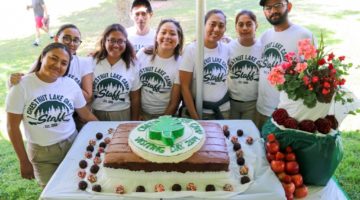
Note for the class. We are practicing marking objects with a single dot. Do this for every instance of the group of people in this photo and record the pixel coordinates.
(140, 74)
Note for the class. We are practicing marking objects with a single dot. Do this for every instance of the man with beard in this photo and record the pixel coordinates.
(276, 42)
(141, 35)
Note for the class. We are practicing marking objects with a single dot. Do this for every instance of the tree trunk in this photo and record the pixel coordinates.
(123, 12)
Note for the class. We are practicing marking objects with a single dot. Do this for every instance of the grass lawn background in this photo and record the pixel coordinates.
(339, 22)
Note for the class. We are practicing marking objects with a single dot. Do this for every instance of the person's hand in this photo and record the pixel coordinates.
(27, 170)
(15, 79)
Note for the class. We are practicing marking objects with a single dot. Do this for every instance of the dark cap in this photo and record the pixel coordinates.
(262, 2)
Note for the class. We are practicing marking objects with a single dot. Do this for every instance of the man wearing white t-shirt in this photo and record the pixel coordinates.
(141, 35)
(276, 42)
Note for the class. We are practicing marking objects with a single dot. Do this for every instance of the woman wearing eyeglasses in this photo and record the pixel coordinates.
(159, 71)
(245, 56)
(116, 85)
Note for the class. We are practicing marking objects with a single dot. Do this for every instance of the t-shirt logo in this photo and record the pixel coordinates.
(215, 71)
(273, 55)
(111, 87)
(155, 80)
(244, 70)
(49, 110)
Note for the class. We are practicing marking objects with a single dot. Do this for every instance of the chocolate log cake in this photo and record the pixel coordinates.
(212, 156)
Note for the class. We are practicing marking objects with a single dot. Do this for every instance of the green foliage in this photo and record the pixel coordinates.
(12, 186)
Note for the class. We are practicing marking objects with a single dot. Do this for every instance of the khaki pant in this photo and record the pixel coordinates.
(46, 159)
(260, 120)
(146, 116)
(242, 110)
(206, 116)
(122, 115)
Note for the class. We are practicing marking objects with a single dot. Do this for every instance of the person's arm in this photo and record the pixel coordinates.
(135, 104)
(174, 100)
(13, 128)
(85, 114)
(14, 79)
(87, 87)
(45, 11)
(185, 82)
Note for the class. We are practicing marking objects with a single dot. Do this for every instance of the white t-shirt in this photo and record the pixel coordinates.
(140, 41)
(215, 72)
(243, 76)
(47, 108)
(112, 85)
(275, 46)
(157, 78)
(80, 67)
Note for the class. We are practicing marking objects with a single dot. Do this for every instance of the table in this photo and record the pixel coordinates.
(63, 184)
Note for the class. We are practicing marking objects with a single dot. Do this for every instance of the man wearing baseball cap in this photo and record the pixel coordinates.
(276, 42)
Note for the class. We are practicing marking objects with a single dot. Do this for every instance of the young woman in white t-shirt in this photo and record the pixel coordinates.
(45, 101)
(116, 84)
(216, 100)
(159, 71)
(245, 55)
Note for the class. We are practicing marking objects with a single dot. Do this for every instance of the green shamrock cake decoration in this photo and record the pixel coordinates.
(166, 129)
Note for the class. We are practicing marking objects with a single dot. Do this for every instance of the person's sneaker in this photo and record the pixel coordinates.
(51, 37)
(35, 44)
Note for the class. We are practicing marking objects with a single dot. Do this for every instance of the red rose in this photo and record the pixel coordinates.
(291, 123)
(331, 56)
(307, 125)
(321, 61)
(314, 79)
(280, 115)
(341, 58)
(333, 121)
(323, 125)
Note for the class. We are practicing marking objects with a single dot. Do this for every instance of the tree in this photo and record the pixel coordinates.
(124, 12)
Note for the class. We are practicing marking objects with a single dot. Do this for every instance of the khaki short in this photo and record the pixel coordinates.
(242, 110)
(146, 116)
(122, 115)
(260, 120)
(46, 159)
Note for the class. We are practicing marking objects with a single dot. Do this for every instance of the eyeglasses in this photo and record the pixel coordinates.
(118, 42)
(276, 6)
(68, 40)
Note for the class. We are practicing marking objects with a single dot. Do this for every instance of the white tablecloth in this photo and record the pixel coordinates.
(64, 182)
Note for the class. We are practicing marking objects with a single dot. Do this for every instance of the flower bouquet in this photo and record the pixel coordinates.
(309, 82)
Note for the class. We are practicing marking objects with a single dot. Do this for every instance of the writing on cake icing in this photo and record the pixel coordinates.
(150, 146)
(192, 140)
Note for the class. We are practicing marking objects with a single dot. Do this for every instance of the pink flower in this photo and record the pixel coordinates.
(306, 49)
(306, 80)
(300, 67)
(286, 65)
(289, 56)
(276, 76)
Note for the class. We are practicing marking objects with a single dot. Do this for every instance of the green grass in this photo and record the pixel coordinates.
(18, 54)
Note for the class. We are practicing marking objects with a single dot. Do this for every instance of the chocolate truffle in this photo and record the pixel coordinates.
(88, 154)
(159, 188)
(236, 146)
(240, 132)
(90, 148)
(92, 178)
(244, 170)
(239, 153)
(99, 136)
(244, 179)
(240, 161)
(94, 169)
(225, 128)
(81, 173)
(82, 164)
(92, 142)
(249, 140)
(191, 187)
(228, 188)
(120, 189)
(97, 160)
(176, 187)
(102, 144)
(234, 139)
(140, 188)
(96, 188)
(110, 130)
(83, 185)
(210, 188)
